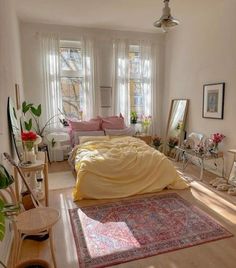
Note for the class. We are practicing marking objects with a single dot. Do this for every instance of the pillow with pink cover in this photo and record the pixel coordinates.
(92, 125)
(113, 122)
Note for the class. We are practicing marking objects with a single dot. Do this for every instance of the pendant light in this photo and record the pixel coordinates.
(166, 21)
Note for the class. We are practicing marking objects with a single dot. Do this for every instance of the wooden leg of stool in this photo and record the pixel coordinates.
(16, 241)
(18, 247)
(52, 248)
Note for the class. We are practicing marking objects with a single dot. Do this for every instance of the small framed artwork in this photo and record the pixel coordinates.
(17, 92)
(213, 101)
(106, 96)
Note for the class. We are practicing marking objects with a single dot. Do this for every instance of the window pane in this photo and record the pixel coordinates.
(71, 59)
(71, 95)
(136, 93)
(136, 97)
(134, 64)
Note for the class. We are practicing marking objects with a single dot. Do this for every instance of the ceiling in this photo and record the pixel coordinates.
(130, 15)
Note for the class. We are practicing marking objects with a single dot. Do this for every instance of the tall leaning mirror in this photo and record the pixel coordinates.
(176, 124)
(14, 126)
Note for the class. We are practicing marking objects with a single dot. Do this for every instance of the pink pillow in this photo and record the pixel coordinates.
(113, 122)
(92, 125)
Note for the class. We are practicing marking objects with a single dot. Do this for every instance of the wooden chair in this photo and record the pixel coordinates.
(37, 221)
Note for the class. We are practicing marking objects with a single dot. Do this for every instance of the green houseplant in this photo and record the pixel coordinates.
(133, 117)
(34, 113)
(6, 209)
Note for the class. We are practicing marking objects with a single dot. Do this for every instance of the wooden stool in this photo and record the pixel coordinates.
(35, 221)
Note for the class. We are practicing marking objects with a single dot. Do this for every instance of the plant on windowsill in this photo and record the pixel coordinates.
(133, 118)
(146, 122)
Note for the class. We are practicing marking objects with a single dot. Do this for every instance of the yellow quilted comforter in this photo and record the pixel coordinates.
(121, 167)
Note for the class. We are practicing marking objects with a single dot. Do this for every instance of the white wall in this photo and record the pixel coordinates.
(103, 39)
(10, 73)
(199, 51)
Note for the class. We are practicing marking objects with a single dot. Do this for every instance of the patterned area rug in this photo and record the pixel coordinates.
(118, 232)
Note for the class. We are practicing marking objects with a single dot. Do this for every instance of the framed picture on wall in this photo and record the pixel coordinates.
(213, 101)
(106, 96)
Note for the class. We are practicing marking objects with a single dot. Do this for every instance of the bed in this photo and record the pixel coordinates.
(116, 167)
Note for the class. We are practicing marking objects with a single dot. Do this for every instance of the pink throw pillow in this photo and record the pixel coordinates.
(86, 125)
(113, 122)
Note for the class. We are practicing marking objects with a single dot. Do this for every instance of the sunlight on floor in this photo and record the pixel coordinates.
(107, 241)
(221, 206)
(70, 251)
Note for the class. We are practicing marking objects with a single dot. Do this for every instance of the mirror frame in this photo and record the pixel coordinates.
(184, 121)
(11, 127)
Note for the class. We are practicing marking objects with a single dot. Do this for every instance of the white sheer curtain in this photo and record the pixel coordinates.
(50, 44)
(147, 76)
(89, 95)
(121, 96)
(50, 49)
(148, 55)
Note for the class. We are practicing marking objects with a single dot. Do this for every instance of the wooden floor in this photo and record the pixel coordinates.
(217, 254)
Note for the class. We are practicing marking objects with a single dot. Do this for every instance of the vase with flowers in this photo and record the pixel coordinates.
(146, 122)
(28, 140)
(217, 139)
(156, 142)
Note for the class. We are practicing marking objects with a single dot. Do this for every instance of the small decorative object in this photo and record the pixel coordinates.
(217, 138)
(173, 141)
(64, 122)
(200, 149)
(213, 101)
(53, 142)
(28, 139)
(146, 122)
(188, 143)
(156, 142)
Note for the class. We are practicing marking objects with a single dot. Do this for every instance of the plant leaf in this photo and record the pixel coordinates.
(36, 111)
(1, 205)
(26, 107)
(28, 125)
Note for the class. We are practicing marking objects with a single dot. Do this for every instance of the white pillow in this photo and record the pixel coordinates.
(78, 134)
(93, 138)
(129, 131)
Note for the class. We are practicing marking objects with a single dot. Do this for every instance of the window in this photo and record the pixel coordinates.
(71, 79)
(135, 81)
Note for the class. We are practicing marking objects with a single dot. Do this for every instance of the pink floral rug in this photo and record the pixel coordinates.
(118, 232)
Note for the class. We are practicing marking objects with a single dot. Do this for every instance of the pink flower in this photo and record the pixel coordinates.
(217, 138)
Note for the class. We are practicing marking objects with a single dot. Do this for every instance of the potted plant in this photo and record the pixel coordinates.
(156, 142)
(35, 113)
(133, 117)
(6, 209)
